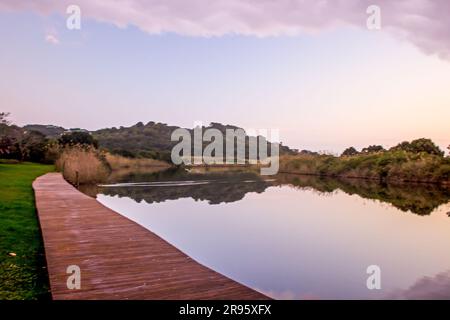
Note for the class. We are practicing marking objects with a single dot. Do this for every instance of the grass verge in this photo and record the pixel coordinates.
(23, 273)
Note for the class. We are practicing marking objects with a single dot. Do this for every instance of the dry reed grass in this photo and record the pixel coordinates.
(82, 165)
(118, 162)
(86, 165)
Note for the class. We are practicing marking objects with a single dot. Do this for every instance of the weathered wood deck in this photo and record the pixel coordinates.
(118, 258)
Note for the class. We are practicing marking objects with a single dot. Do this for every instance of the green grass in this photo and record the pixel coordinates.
(23, 276)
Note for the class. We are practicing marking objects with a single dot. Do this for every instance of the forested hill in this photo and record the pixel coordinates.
(49, 131)
(147, 140)
(144, 140)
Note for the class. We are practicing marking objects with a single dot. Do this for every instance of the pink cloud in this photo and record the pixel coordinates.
(430, 288)
(422, 22)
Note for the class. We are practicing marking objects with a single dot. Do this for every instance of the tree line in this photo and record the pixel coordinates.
(421, 145)
(21, 144)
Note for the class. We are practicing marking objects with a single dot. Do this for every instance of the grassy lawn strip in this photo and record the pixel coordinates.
(22, 262)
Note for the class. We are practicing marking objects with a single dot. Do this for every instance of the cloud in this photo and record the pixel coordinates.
(434, 288)
(422, 22)
(50, 38)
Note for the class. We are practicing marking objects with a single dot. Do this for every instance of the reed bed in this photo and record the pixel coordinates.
(117, 162)
(83, 165)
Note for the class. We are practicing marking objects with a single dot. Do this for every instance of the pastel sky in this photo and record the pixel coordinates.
(309, 68)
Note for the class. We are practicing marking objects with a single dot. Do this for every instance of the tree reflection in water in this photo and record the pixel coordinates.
(217, 186)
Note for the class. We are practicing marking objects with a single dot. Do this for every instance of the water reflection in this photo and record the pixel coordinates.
(214, 187)
(296, 237)
(421, 199)
(229, 186)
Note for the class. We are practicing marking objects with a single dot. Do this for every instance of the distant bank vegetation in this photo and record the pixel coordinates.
(75, 153)
(150, 140)
(416, 161)
(89, 156)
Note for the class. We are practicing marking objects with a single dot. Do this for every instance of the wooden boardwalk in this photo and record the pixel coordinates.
(118, 258)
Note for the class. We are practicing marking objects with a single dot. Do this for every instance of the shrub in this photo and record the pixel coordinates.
(349, 152)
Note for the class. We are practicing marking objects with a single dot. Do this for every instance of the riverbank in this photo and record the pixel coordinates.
(23, 273)
(388, 166)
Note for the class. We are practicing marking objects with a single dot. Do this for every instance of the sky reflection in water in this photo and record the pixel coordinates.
(299, 237)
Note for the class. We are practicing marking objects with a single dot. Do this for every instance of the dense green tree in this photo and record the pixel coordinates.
(420, 145)
(351, 151)
(6, 136)
(31, 146)
(373, 149)
(4, 118)
(20, 144)
(6, 145)
(78, 137)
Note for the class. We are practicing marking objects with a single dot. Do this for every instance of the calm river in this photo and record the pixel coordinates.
(297, 237)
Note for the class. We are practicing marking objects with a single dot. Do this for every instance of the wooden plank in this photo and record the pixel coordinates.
(118, 258)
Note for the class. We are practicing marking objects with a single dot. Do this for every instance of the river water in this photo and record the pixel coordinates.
(297, 237)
